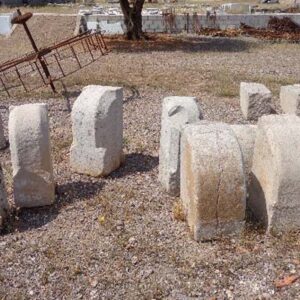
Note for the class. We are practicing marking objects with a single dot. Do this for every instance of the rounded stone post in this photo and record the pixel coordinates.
(97, 124)
(29, 139)
(275, 179)
(255, 100)
(213, 190)
(176, 113)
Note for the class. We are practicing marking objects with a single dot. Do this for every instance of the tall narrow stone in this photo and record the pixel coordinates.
(255, 100)
(290, 99)
(176, 113)
(3, 200)
(275, 178)
(3, 143)
(30, 154)
(213, 190)
(97, 124)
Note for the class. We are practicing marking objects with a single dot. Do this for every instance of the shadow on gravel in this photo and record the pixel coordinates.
(71, 192)
(187, 44)
(135, 163)
(66, 194)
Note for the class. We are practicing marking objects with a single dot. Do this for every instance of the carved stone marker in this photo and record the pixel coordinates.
(290, 99)
(275, 178)
(30, 154)
(176, 113)
(97, 123)
(213, 190)
(255, 100)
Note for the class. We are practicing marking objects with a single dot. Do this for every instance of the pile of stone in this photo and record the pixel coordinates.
(218, 169)
(97, 121)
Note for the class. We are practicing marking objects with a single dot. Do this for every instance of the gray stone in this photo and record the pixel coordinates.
(245, 135)
(290, 99)
(3, 200)
(255, 100)
(275, 179)
(29, 140)
(176, 113)
(213, 190)
(3, 143)
(97, 123)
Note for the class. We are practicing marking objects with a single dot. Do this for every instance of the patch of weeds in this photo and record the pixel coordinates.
(178, 211)
(126, 142)
(75, 271)
(45, 276)
(49, 253)
(59, 146)
(222, 83)
(140, 147)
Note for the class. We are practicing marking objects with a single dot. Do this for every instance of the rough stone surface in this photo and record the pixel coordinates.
(290, 99)
(213, 190)
(3, 143)
(176, 112)
(255, 100)
(245, 135)
(275, 178)
(30, 154)
(97, 123)
(3, 200)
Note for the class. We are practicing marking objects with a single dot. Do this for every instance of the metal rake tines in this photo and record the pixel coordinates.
(45, 66)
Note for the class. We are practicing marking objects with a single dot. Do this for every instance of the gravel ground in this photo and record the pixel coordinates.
(117, 237)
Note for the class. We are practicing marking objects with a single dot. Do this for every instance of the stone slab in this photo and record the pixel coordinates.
(176, 113)
(275, 179)
(290, 99)
(97, 125)
(29, 139)
(255, 100)
(213, 189)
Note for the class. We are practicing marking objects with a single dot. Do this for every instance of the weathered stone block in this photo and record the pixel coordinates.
(255, 100)
(97, 123)
(275, 178)
(3, 143)
(176, 113)
(3, 200)
(213, 190)
(30, 154)
(290, 99)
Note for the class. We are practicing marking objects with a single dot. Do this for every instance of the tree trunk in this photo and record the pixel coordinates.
(133, 19)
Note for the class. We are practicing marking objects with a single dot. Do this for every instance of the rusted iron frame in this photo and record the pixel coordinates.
(6, 65)
(87, 44)
(99, 43)
(6, 90)
(102, 41)
(18, 73)
(82, 38)
(39, 71)
(74, 54)
(61, 69)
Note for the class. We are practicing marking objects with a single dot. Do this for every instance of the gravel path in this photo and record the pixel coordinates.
(116, 238)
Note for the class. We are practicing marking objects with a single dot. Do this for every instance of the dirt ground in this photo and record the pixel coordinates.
(118, 237)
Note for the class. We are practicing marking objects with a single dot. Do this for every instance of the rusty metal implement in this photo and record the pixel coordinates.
(44, 66)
